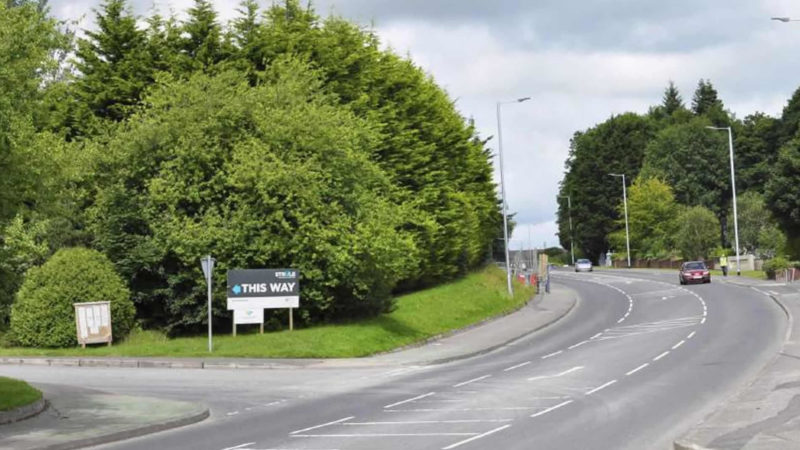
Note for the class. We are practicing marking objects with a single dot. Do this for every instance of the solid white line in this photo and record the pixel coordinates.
(239, 446)
(601, 387)
(553, 354)
(410, 399)
(421, 422)
(474, 438)
(464, 383)
(517, 366)
(661, 355)
(596, 335)
(577, 345)
(678, 344)
(637, 369)
(552, 408)
(323, 425)
(691, 335)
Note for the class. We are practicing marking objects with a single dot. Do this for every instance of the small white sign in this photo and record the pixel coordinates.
(235, 303)
(93, 322)
(246, 316)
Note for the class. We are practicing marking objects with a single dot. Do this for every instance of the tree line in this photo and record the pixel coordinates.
(279, 139)
(676, 159)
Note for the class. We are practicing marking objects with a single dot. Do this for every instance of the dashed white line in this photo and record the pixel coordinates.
(703, 320)
(577, 345)
(359, 435)
(499, 408)
(568, 371)
(629, 373)
(678, 344)
(552, 408)
(410, 400)
(464, 383)
(596, 336)
(517, 366)
(422, 422)
(239, 446)
(601, 387)
(691, 335)
(475, 438)
(233, 413)
(661, 355)
(323, 425)
(553, 354)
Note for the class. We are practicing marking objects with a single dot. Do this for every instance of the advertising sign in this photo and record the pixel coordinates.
(93, 322)
(248, 316)
(263, 288)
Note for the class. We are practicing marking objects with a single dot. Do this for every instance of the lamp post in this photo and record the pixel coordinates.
(571, 235)
(207, 264)
(784, 19)
(625, 202)
(733, 188)
(503, 189)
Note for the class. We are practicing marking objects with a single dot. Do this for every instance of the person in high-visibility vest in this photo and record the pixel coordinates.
(723, 262)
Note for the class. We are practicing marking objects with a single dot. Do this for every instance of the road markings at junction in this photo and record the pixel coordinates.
(678, 344)
(426, 422)
(409, 400)
(517, 366)
(360, 435)
(323, 425)
(553, 354)
(577, 345)
(661, 355)
(498, 408)
(239, 446)
(552, 408)
(475, 438)
(464, 383)
(691, 335)
(637, 369)
(601, 387)
(568, 371)
(596, 335)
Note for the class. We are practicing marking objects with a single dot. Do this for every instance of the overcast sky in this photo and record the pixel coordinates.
(580, 61)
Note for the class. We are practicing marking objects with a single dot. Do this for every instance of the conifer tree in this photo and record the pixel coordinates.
(672, 100)
(202, 46)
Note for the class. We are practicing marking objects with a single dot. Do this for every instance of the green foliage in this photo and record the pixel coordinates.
(43, 314)
(782, 195)
(652, 219)
(16, 393)
(614, 146)
(698, 233)
(774, 265)
(758, 233)
(23, 246)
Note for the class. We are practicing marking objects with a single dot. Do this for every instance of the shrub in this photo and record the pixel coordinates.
(774, 265)
(43, 315)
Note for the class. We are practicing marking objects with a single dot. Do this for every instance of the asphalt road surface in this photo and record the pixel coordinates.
(639, 360)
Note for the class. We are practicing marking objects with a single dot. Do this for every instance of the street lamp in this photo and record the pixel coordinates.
(503, 189)
(625, 201)
(733, 188)
(571, 235)
(785, 19)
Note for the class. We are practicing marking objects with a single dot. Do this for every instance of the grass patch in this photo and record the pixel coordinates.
(418, 316)
(757, 274)
(16, 393)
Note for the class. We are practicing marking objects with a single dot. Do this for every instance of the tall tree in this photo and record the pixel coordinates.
(782, 195)
(202, 46)
(706, 103)
(790, 118)
(114, 62)
(756, 144)
(698, 234)
(672, 100)
(652, 219)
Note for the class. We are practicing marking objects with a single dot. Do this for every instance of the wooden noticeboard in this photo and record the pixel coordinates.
(93, 323)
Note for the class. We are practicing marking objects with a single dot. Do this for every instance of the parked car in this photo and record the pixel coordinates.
(583, 265)
(694, 271)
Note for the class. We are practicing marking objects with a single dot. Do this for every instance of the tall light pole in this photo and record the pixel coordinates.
(733, 188)
(625, 202)
(503, 189)
(571, 235)
(785, 19)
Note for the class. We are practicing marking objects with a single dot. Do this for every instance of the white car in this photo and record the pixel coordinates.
(583, 265)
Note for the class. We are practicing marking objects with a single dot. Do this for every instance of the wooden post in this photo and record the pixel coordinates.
(291, 319)
(262, 327)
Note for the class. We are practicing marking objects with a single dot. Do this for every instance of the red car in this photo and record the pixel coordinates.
(694, 271)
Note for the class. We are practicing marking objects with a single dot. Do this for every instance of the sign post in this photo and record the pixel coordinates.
(259, 289)
(208, 271)
(93, 322)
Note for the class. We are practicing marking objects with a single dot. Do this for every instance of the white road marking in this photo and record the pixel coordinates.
(323, 425)
(475, 438)
(601, 387)
(499, 408)
(703, 321)
(577, 345)
(637, 369)
(359, 435)
(464, 383)
(620, 320)
(691, 335)
(774, 293)
(422, 422)
(553, 354)
(233, 413)
(596, 335)
(552, 408)
(568, 371)
(239, 446)
(678, 344)
(661, 355)
(517, 366)
(410, 400)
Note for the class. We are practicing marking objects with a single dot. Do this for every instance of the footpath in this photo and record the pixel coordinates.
(77, 418)
(765, 415)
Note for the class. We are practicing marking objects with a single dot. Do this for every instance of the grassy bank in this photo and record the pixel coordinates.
(418, 316)
(16, 393)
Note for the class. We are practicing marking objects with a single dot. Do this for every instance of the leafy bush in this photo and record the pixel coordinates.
(775, 265)
(43, 314)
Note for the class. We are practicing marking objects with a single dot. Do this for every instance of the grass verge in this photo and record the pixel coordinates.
(16, 393)
(418, 316)
(757, 274)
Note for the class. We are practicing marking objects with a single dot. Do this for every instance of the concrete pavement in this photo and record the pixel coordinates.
(766, 413)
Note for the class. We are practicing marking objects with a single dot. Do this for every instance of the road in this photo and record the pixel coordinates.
(639, 360)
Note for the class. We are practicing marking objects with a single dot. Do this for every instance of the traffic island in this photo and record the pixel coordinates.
(19, 401)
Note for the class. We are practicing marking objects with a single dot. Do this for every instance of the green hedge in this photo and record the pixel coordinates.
(43, 315)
